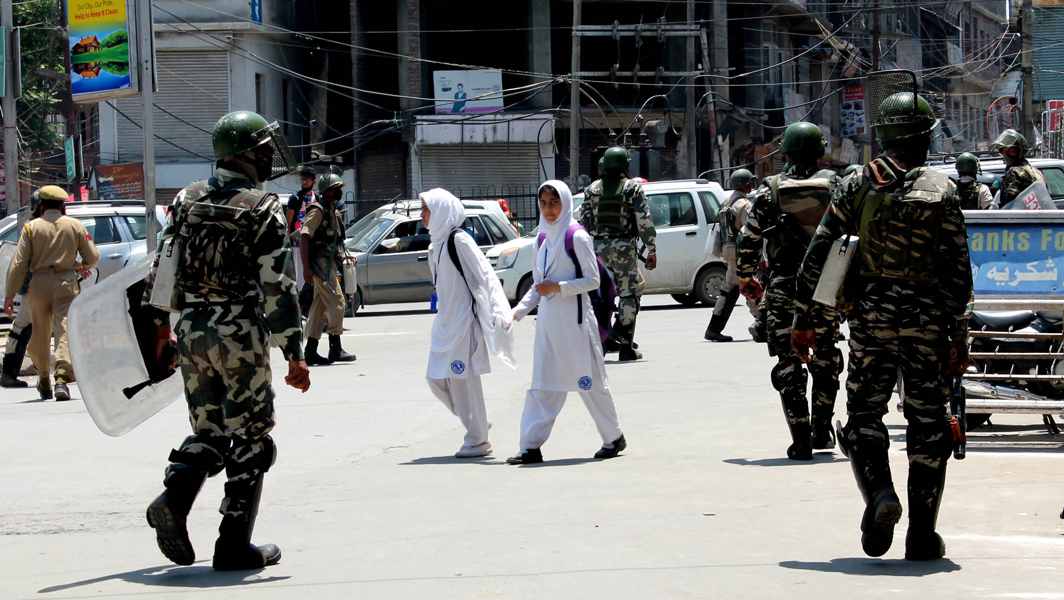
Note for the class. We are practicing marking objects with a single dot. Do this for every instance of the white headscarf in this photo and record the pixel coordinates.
(554, 244)
(447, 214)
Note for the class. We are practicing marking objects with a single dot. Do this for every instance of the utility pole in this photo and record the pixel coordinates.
(147, 91)
(875, 35)
(692, 118)
(1027, 68)
(70, 113)
(574, 100)
(7, 17)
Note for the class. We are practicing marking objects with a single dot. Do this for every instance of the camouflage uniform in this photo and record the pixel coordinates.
(909, 291)
(1016, 180)
(974, 196)
(618, 223)
(786, 209)
(235, 296)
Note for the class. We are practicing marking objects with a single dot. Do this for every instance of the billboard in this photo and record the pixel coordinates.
(853, 111)
(467, 92)
(121, 181)
(1016, 253)
(102, 51)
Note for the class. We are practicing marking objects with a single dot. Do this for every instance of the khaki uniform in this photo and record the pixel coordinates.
(49, 249)
(322, 238)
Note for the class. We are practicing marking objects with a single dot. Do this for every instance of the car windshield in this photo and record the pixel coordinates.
(365, 234)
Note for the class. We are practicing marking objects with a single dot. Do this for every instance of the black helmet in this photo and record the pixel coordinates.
(242, 132)
(803, 141)
(740, 178)
(904, 115)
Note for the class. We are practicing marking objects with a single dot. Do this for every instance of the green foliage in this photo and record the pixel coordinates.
(42, 51)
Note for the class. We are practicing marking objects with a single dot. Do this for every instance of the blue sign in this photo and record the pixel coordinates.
(256, 11)
(1012, 260)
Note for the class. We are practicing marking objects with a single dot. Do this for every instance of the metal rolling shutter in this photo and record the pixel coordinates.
(194, 86)
(473, 170)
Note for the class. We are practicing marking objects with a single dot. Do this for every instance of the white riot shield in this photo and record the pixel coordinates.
(1035, 197)
(107, 358)
(7, 254)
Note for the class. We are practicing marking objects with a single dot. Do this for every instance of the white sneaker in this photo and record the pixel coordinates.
(478, 451)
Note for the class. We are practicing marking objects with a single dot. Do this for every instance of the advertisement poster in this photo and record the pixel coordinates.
(119, 182)
(1016, 260)
(102, 55)
(853, 111)
(467, 92)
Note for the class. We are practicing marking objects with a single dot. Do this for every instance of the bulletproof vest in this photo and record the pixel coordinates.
(802, 203)
(969, 196)
(613, 209)
(218, 227)
(326, 239)
(900, 226)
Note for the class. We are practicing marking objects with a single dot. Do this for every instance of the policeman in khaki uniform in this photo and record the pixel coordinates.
(322, 250)
(48, 252)
(787, 208)
(616, 214)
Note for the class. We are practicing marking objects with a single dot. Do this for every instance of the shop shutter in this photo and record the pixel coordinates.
(481, 170)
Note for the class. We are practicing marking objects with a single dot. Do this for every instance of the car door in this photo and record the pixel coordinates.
(398, 267)
(109, 242)
(676, 220)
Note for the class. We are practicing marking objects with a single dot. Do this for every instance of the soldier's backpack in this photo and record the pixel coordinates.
(604, 299)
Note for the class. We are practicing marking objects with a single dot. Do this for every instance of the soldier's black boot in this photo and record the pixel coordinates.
(234, 551)
(336, 351)
(823, 437)
(721, 313)
(868, 459)
(310, 354)
(713, 332)
(800, 448)
(926, 484)
(168, 513)
(796, 412)
(9, 375)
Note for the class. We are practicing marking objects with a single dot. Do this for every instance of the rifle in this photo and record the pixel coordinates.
(958, 420)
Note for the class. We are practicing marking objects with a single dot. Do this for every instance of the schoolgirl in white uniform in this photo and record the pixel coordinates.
(568, 353)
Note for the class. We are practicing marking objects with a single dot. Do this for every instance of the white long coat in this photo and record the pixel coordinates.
(568, 355)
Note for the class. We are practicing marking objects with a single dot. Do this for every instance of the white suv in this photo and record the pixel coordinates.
(687, 268)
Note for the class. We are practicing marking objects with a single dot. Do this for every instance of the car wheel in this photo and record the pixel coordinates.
(685, 299)
(709, 283)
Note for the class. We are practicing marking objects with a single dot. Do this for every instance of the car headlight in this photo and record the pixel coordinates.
(507, 258)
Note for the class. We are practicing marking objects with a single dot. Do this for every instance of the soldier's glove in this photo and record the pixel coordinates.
(803, 341)
(652, 261)
(958, 357)
(751, 289)
(298, 375)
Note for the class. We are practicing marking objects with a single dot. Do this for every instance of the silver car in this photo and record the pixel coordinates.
(392, 249)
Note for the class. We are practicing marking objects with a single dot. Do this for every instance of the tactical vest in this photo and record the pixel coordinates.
(969, 196)
(900, 227)
(218, 227)
(325, 242)
(802, 203)
(613, 210)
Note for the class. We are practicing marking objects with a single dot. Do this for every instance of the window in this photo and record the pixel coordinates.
(138, 227)
(411, 236)
(102, 229)
(1054, 181)
(672, 210)
(495, 230)
(11, 235)
(710, 205)
(475, 228)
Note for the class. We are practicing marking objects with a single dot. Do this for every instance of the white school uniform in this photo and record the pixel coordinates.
(472, 322)
(568, 354)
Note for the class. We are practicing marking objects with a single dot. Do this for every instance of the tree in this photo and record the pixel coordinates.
(44, 77)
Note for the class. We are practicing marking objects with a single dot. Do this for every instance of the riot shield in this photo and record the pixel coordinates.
(7, 254)
(113, 376)
(1035, 197)
(880, 85)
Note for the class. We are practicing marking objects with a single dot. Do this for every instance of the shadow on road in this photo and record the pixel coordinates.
(393, 313)
(562, 462)
(196, 576)
(876, 567)
(818, 459)
(451, 460)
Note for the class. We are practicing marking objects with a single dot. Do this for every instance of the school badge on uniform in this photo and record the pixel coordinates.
(458, 367)
(584, 383)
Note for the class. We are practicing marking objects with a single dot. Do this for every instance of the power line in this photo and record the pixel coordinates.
(157, 136)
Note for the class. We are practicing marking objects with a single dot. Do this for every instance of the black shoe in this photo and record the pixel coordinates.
(310, 354)
(800, 448)
(823, 437)
(168, 513)
(234, 551)
(9, 381)
(616, 448)
(877, 523)
(800, 451)
(629, 354)
(532, 456)
(44, 387)
(611, 345)
(714, 336)
(336, 351)
(756, 334)
(62, 392)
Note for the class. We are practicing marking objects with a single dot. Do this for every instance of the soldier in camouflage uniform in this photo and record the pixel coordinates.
(973, 195)
(787, 208)
(731, 218)
(908, 288)
(233, 296)
(1020, 174)
(616, 214)
(322, 250)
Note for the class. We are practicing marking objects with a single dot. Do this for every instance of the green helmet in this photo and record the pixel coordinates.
(1010, 138)
(967, 165)
(328, 182)
(615, 160)
(243, 131)
(740, 178)
(803, 141)
(904, 115)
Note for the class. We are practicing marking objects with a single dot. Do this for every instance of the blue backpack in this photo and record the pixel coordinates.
(604, 299)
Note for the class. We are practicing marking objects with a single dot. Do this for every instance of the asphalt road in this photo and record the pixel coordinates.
(366, 502)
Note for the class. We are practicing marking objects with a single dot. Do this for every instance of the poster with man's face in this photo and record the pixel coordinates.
(467, 92)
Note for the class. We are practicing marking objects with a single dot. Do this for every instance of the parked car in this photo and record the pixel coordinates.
(392, 249)
(118, 227)
(993, 168)
(687, 269)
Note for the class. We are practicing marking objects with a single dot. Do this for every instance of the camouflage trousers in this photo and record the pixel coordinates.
(789, 376)
(898, 329)
(621, 258)
(224, 356)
